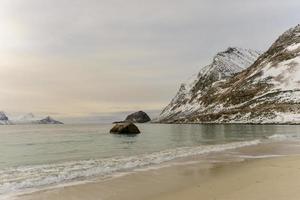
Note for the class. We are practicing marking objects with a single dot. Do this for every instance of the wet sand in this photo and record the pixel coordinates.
(213, 177)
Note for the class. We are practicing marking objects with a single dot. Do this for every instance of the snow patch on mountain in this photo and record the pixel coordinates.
(293, 47)
(283, 75)
(24, 119)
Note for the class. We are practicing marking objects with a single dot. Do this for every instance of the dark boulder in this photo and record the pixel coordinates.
(138, 117)
(125, 128)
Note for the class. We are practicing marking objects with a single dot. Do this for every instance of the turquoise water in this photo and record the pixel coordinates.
(42, 155)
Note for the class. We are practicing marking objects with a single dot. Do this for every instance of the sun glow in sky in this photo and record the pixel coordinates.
(82, 57)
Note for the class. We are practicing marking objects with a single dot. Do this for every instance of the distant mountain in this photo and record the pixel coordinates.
(4, 119)
(48, 120)
(26, 119)
(266, 92)
(190, 97)
(3, 116)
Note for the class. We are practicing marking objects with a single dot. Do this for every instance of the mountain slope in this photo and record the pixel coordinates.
(267, 92)
(224, 65)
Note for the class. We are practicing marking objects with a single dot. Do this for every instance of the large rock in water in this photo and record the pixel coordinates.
(125, 128)
(138, 117)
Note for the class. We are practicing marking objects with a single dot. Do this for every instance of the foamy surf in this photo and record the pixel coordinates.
(18, 179)
(284, 137)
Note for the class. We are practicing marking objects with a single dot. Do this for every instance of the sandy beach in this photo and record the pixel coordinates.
(213, 177)
(275, 178)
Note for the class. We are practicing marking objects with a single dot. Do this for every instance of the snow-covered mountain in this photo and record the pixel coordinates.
(26, 119)
(266, 92)
(224, 65)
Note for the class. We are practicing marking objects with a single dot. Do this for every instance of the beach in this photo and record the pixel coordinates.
(219, 176)
(275, 178)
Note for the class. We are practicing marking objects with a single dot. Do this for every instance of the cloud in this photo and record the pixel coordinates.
(75, 57)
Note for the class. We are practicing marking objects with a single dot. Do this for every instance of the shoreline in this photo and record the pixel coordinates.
(229, 123)
(213, 176)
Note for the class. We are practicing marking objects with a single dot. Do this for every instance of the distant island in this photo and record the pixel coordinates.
(26, 119)
(136, 117)
(242, 86)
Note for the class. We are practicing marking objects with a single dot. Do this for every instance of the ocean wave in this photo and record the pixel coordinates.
(259, 156)
(28, 177)
(284, 137)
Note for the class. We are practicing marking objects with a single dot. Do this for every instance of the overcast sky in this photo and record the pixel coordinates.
(76, 58)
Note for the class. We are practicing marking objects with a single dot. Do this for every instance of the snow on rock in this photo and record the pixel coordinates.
(24, 119)
(283, 75)
(293, 47)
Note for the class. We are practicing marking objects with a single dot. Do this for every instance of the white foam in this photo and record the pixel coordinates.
(285, 137)
(259, 156)
(13, 180)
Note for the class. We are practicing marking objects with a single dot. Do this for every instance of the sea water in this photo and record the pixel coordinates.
(38, 156)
